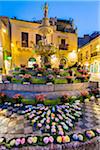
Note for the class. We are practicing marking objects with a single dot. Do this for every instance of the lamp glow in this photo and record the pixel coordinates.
(72, 55)
(3, 30)
(12, 45)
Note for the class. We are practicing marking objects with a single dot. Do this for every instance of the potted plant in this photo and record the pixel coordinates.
(65, 98)
(69, 79)
(27, 78)
(23, 71)
(48, 65)
(40, 71)
(3, 97)
(84, 94)
(56, 71)
(9, 77)
(17, 98)
(35, 66)
(40, 98)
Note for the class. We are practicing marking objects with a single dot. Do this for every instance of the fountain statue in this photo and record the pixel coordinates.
(44, 48)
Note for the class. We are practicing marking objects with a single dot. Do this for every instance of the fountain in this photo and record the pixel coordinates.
(44, 48)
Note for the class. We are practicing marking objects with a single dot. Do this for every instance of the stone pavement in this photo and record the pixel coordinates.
(91, 116)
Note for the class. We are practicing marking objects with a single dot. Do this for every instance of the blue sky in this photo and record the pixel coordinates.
(85, 13)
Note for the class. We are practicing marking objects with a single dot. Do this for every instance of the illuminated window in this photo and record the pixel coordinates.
(24, 39)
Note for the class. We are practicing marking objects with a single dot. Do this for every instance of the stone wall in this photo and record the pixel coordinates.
(44, 88)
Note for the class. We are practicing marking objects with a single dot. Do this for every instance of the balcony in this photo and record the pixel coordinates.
(95, 54)
(63, 46)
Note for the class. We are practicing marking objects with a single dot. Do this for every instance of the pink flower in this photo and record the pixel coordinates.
(29, 140)
(56, 70)
(61, 133)
(48, 121)
(35, 65)
(40, 97)
(39, 125)
(27, 76)
(16, 96)
(47, 127)
(98, 131)
(40, 70)
(51, 139)
(46, 140)
(69, 77)
(18, 141)
(85, 93)
(50, 77)
(2, 95)
(23, 141)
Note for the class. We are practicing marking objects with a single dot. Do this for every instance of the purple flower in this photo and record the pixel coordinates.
(46, 140)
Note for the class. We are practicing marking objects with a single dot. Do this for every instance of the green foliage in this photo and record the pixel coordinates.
(46, 102)
(14, 80)
(60, 81)
(9, 78)
(32, 73)
(23, 71)
(64, 73)
(16, 73)
(77, 73)
(52, 102)
(74, 69)
(17, 68)
(76, 81)
(28, 101)
(38, 81)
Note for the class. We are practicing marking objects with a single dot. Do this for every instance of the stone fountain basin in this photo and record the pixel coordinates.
(51, 91)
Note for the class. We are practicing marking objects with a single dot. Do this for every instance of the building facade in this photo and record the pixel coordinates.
(24, 35)
(89, 52)
(5, 46)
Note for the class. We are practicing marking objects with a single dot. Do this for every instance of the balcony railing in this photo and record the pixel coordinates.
(63, 46)
(95, 54)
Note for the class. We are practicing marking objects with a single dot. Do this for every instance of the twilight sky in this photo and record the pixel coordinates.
(85, 13)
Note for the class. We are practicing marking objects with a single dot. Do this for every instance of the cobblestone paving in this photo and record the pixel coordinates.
(91, 116)
(12, 125)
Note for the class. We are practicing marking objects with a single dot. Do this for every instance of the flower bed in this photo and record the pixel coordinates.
(54, 120)
(47, 139)
(24, 75)
(42, 98)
